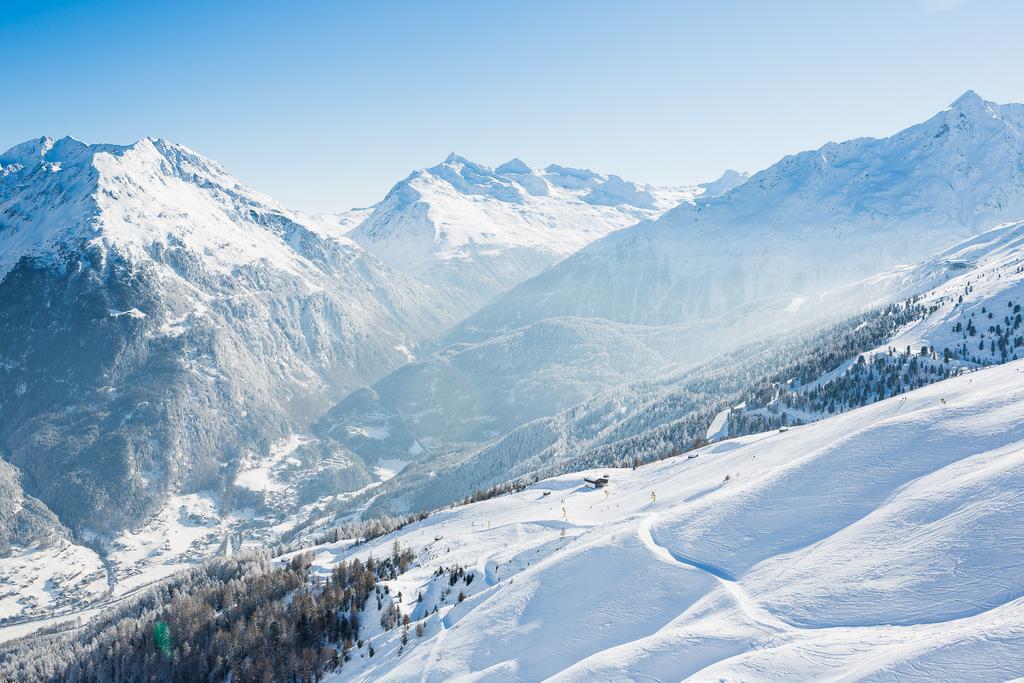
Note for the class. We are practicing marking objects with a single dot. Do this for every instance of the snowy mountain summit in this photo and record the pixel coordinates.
(475, 231)
(150, 194)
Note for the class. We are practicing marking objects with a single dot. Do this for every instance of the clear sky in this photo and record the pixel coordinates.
(325, 105)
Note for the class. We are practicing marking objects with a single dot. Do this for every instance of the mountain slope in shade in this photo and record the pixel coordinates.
(159, 320)
(813, 221)
(475, 231)
(883, 542)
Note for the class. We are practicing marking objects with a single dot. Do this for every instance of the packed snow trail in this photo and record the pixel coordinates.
(754, 612)
(717, 572)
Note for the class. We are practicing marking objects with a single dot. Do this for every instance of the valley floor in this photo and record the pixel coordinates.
(883, 543)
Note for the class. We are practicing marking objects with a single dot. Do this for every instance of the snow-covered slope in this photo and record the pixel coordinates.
(879, 544)
(971, 298)
(475, 231)
(977, 292)
(159, 321)
(813, 221)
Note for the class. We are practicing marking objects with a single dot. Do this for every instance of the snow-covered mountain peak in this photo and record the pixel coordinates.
(27, 152)
(514, 166)
(481, 230)
(470, 178)
(971, 113)
(70, 150)
(51, 152)
(59, 194)
(185, 160)
(728, 180)
(458, 162)
(971, 101)
(571, 178)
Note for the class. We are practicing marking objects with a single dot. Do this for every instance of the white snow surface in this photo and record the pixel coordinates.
(387, 468)
(883, 543)
(258, 473)
(719, 427)
(187, 529)
(49, 579)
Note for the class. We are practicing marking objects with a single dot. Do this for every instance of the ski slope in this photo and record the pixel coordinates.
(882, 543)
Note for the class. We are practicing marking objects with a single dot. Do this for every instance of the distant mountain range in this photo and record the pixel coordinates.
(474, 232)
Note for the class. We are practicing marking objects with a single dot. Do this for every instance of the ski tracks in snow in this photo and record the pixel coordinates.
(749, 607)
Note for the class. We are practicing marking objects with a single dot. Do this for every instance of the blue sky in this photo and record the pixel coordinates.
(326, 105)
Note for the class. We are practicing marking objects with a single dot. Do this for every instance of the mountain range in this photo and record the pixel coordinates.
(866, 203)
(188, 368)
